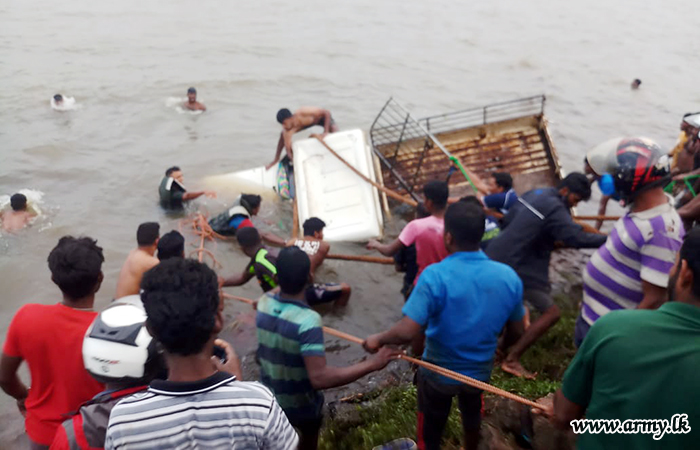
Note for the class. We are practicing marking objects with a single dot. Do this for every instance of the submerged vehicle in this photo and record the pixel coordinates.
(502, 137)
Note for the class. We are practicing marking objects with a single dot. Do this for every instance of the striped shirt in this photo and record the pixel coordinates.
(641, 247)
(287, 332)
(214, 413)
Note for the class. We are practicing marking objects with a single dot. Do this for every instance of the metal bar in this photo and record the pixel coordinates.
(398, 177)
(398, 143)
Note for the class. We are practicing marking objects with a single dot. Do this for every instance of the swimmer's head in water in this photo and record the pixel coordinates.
(283, 115)
(249, 239)
(174, 172)
(192, 95)
(636, 83)
(58, 98)
(18, 202)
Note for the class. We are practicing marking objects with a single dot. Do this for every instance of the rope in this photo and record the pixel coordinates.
(432, 367)
(362, 258)
(387, 191)
(200, 227)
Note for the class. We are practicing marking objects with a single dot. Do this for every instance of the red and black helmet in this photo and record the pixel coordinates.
(641, 165)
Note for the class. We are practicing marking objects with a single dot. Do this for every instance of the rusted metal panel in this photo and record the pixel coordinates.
(517, 144)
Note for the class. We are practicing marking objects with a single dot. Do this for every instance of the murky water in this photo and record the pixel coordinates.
(99, 165)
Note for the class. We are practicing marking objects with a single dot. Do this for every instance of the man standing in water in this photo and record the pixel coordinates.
(19, 217)
(529, 232)
(139, 261)
(192, 104)
(303, 118)
(50, 339)
(173, 193)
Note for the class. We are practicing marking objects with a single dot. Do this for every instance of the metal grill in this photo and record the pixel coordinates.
(413, 151)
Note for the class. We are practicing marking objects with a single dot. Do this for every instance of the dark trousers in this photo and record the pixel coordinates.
(434, 405)
(308, 430)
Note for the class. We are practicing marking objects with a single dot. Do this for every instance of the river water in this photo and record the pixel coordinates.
(99, 165)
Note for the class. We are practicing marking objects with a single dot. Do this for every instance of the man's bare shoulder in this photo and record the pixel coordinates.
(313, 111)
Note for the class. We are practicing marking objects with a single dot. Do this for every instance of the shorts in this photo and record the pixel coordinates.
(322, 122)
(308, 429)
(540, 299)
(317, 294)
(435, 403)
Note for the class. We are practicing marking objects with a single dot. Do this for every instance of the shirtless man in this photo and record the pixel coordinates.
(19, 217)
(139, 261)
(192, 104)
(312, 243)
(303, 118)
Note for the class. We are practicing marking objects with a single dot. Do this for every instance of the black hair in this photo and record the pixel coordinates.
(58, 97)
(471, 199)
(638, 81)
(248, 237)
(313, 225)
(577, 183)
(171, 245)
(76, 265)
(181, 298)
(465, 221)
(437, 192)
(283, 114)
(191, 90)
(421, 211)
(171, 170)
(251, 201)
(293, 265)
(147, 233)
(18, 202)
(503, 180)
(690, 252)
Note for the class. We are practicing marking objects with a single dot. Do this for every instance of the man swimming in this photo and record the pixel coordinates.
(58, 99)
(19, 217)
(303, 118)
(192, 104)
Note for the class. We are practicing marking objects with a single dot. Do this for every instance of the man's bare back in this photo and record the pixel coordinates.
(136, 264)
(303, 118)
(15, 220)
(315, 248)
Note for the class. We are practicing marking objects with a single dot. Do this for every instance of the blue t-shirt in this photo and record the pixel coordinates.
(501, 201)
(464, 301)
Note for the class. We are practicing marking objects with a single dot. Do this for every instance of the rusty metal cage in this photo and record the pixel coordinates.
(509, 136)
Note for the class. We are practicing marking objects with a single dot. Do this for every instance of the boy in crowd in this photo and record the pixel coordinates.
(291, 350)
(171, 245)
(526, 241)
(425, 233)
(140, 259)
(263, 266)
(172, 192)
(202, 403)
(118, 330)
(19, 217)
(641, 365)
(462, 321)
(50, 338)
(631, 269)
(501, 195)
(312, 243)
(405, 258)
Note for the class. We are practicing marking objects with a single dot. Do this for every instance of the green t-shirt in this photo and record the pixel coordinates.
(639, 364)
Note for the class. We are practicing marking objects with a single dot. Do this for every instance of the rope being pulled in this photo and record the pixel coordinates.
(432, 367)
(200, 227)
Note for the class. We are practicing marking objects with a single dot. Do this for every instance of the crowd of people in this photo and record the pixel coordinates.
(151, 372)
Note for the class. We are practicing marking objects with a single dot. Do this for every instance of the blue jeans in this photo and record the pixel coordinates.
(580, 330)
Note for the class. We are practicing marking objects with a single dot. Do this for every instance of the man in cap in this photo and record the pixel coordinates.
(192, 104)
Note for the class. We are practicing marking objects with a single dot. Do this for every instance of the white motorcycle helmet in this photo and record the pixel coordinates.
(118, 348)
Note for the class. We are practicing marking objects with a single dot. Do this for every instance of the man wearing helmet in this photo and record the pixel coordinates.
(630, 271)
(117, 351)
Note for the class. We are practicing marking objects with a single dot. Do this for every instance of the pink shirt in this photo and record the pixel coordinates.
(427, 234)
